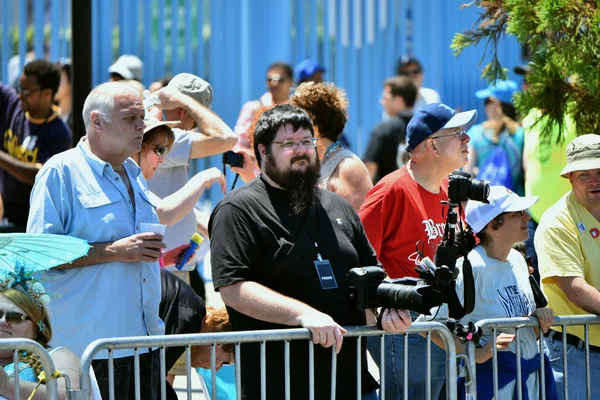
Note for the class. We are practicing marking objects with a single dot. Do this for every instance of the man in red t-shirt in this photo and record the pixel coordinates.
(404, 221)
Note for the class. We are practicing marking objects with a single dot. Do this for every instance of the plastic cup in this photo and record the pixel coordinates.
(150, 227)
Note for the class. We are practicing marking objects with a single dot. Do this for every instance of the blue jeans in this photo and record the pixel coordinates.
(394, 366)
(575, 369)
(370, 396)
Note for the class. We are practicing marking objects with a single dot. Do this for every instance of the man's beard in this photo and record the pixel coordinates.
(300, 185)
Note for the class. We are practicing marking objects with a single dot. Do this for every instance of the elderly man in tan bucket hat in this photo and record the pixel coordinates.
(567, 242)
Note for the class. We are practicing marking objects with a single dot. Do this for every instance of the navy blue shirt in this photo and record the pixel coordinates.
(28, 140)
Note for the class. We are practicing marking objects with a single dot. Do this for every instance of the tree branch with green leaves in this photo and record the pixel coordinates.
(564, 38)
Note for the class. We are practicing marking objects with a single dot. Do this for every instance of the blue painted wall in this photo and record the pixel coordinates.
(231, 43)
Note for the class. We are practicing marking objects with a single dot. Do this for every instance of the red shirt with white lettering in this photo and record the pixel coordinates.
(399, 215)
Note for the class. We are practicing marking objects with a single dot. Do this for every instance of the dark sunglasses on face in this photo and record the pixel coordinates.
(13, 317)
(411, 72)
(160, 150)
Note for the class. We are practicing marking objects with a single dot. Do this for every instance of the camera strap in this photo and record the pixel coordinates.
(455, 309)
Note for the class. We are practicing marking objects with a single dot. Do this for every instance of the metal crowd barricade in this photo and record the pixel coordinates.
(494, 325)
(32, 347)
(261, 337)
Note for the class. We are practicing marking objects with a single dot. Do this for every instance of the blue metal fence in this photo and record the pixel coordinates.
(231, 43)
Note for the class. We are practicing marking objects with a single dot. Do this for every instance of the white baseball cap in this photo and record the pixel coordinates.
(501, 200)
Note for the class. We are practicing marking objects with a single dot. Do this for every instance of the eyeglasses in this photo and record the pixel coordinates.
(27, 92)
(160, 149)
(411, 72)
(290, 144)
(13, 317)
(276, 78)
(460, 135)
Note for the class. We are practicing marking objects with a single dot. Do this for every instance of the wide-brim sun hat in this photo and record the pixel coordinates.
(583, 153)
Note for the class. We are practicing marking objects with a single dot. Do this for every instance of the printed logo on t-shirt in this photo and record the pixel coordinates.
(515, 304)
(581, 227)
(594, 232)
(433, 230)
(27, 152)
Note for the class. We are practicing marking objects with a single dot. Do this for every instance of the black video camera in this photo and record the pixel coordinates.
(436, 282)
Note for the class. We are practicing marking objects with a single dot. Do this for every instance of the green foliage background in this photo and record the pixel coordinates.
(564, 38)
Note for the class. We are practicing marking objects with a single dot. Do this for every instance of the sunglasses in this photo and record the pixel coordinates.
(160, 149)
(13, 317)
(411, 72)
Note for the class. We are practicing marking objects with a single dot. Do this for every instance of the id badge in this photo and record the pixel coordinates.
(325, 273)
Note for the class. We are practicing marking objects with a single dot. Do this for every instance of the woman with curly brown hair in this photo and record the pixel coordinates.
(342, 172)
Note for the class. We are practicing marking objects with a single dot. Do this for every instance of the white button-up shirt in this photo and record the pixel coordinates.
(78, 194)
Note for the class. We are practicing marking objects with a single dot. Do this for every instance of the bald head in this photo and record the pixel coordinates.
(102, 101)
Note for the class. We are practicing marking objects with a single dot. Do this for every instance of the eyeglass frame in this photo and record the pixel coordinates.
(16, 318)
(460, 134)
(296, 143)
(27, 92)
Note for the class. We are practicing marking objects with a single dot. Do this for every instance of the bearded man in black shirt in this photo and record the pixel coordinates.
(281, 249)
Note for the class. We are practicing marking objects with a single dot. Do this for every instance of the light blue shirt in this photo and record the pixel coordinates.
(78, 194)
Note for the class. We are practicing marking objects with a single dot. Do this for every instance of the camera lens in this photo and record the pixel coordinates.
(479, 190)
(416, 298)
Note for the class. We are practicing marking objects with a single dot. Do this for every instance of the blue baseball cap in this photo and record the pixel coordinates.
(307, 68)
(433, 117)
(502, 90)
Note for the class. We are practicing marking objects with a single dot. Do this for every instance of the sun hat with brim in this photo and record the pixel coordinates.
(583, 153)
(501, 90)
(152, 122)
(501, 200)
(128, 66)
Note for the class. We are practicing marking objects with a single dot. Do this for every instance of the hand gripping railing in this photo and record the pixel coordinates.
(262, 337)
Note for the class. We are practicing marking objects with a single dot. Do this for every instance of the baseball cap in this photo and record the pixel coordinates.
(502, 90)
(194, 87)
(583, 153)
(152, 122)
(501, 200)
(433, 117)
(307, 68)
(128, 66)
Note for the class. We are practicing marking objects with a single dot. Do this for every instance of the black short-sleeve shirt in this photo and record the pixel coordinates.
(253, 235)
(382, 148)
